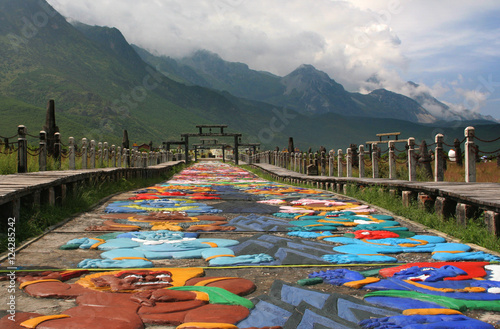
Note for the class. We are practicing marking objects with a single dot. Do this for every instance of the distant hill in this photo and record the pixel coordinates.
(102, 85)
(99, 81)
(442, 111)
(305, 90)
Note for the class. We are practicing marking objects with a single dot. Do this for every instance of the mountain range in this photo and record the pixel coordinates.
(306, 89)
(102, 85)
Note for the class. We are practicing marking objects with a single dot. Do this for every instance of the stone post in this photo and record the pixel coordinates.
(145, 159)
(392, 161)
(119, 157)
(22, 152)
(42, 160)
(323, 163)
(439, 159)
(113, 156)
(470, 156)
(105, 154)
(412, 163)
(375, 161)
(84, 153)
(125, 157)
(71, 153)
(57, 150)
(349, 162)
(99, 155)
(331, 161)
(304, 163)
(361, 161)
(92, 154)
(339, 163)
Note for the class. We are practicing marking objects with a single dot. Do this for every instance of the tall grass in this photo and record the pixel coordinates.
(476, 231)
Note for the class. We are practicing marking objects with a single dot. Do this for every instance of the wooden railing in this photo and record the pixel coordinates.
(84, 155)
(341, 165)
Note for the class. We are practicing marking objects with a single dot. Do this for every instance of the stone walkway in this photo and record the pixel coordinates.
(242, 252)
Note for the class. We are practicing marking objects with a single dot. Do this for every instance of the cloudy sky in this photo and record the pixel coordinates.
(450, 47)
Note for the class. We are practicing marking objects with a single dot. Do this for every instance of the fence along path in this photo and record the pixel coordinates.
(464, 200)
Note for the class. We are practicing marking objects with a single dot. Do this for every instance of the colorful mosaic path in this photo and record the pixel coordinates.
(194, 252)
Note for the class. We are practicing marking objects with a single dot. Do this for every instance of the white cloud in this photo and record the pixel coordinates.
(353, 40)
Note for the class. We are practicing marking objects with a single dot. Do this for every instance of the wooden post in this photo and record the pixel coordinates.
(470, 156)
(57, 150)
(412, 163)
(236, 155)
(105, 154)
(22, 151)
(42, 160)
(84, 153)
(349, 162)
(361, 161)
(339, 161)
(439, 159)
(71, 155)
(92, 154)
(51, 129)
(392, 161)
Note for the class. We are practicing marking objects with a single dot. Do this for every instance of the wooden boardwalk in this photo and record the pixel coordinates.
(51, 187)
(462, 200)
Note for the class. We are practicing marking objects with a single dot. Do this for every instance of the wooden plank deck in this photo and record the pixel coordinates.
(483, 195)
(17, 186)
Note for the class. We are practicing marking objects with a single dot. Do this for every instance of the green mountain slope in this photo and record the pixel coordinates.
(101, 86)
(305, 90)
(98, 80)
